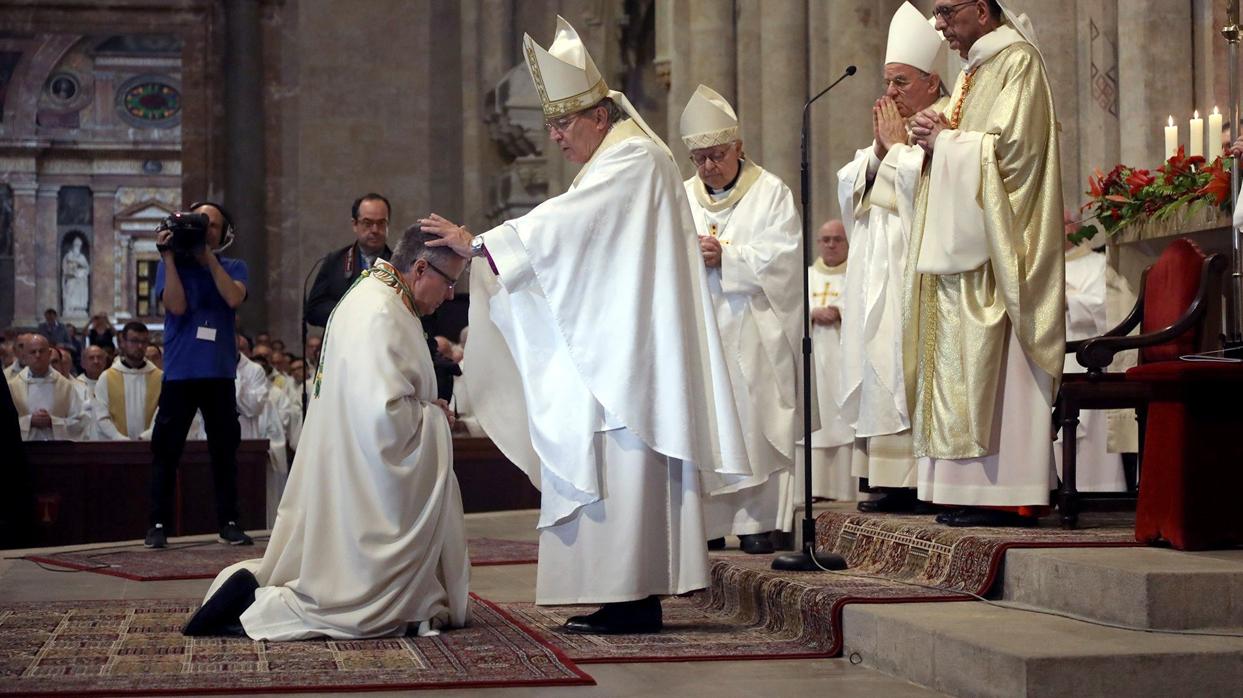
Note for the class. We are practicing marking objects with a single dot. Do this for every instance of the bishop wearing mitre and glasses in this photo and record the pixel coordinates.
(596, 365)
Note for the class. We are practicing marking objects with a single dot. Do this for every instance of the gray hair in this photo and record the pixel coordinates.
(413, 246)
(614, 111)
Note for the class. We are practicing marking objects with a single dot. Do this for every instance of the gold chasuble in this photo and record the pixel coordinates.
(969, 298)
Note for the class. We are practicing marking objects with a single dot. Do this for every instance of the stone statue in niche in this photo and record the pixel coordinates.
(75, 275)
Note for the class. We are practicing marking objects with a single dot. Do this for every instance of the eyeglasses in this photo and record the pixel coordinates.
(561, 123)
(900, 83)
(716, 155)
(448, 279)
(946, 12)
(365, 223)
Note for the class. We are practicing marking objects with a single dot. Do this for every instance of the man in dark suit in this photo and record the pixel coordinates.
(370, 215)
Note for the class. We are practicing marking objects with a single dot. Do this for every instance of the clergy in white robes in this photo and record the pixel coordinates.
(252, 396)
(94, 363)
(836, 456)
(272, 428)
(369, 539)
(50, 407)
(986, 327)
(1096, 469)
(876, 192)
(594, 361)
(126, 395)
(749, 236)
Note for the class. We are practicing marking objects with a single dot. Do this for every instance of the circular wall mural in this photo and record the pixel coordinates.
(150, 101)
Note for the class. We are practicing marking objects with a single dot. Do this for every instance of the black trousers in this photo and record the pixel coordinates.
(179, 400)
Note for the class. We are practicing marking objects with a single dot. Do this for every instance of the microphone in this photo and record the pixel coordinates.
(807, 560)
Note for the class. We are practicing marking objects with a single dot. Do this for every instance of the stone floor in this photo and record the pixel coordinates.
(25, 581)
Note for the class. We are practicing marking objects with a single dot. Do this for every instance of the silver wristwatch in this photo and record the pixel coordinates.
(476, 246)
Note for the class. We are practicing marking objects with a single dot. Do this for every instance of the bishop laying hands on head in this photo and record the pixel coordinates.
(569, 304)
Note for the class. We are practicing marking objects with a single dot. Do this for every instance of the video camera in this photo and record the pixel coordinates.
(189, 231)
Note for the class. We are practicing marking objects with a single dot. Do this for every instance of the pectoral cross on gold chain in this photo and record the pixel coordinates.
(824, 296)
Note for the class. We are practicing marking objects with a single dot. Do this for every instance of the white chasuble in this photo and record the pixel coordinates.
(62, 398)
(369, 538)
(755, 294)
(984, 344)
(1096, 469)
(877, 198)
(134, 404)
(599, 320)
(834, 456)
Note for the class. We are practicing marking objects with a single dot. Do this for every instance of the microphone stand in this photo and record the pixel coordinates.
(306, 364)
(807, 560)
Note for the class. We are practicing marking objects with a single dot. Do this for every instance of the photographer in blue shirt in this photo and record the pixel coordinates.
(201, 292)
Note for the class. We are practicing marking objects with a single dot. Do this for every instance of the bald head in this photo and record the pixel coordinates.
(38, 354)
(831, 242)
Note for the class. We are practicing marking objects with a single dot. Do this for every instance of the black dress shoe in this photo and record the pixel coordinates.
(992, 517)
(756, 543)
(890, 503)
(626, 617)
(947, 517)
(222, 613)
(716, 543)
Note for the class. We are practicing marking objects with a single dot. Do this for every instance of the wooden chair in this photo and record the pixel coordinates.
(1175, 296)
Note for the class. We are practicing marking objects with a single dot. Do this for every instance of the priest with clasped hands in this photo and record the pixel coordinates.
(569, 303)
(985, 335)
(876, 192)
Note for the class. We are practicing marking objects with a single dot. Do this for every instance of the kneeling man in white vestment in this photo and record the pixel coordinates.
(595, 363)
(369, 539)
(749, 236)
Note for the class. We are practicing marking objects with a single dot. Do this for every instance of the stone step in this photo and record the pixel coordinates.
(1139, 587)
(974, 649)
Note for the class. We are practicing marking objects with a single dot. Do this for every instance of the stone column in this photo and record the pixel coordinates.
(1158, 83)
(681, 82)
(25, 252)
(245, 171)
(712, 48)
(1061, 51)
(1097, 94)
(103, 252)
(844, 32)
(47, 253)
(750, 103)
(783, 67)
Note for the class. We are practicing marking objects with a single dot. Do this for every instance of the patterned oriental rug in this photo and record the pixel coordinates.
(204, 559)
(136, 647)
(753, 612)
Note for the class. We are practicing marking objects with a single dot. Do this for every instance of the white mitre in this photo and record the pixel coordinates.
(914, 42)
(708, 120)
(565, 76)
(568, 81)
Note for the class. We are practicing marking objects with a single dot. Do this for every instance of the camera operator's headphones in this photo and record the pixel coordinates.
(227, 236)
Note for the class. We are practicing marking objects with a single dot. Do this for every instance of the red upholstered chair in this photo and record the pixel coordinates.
(1175, 295)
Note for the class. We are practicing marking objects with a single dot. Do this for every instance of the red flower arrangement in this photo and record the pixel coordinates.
(1128, 195)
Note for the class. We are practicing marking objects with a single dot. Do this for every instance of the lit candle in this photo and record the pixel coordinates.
(1171, 140)
(1196, 139)
(1214, 133)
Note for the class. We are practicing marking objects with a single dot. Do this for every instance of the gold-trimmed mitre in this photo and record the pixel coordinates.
(708, 120)
(565, 77)
(913, 41)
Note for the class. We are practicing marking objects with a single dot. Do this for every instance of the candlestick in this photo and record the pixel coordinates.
(1214, 134)
(1171, 139)
(1196, 139)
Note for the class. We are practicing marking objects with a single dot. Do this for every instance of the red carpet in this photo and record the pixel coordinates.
(202, 560)
(750, 611)
(136, 648)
